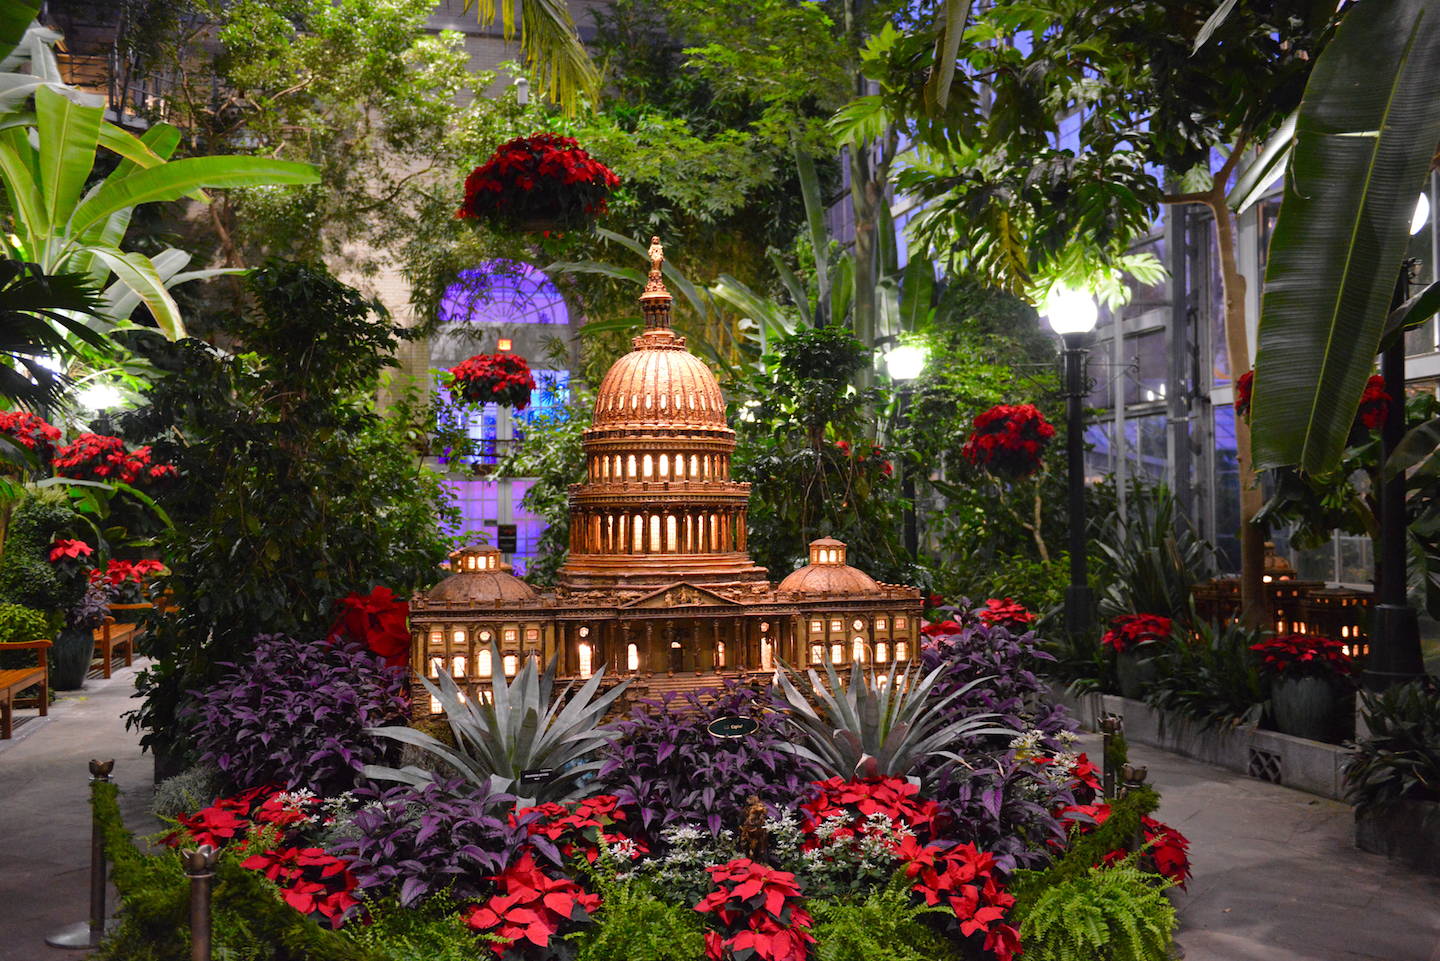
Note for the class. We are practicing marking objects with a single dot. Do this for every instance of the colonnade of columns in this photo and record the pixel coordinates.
(663, 531)
(653, 467)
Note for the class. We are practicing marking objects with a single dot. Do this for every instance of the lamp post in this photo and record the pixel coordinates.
(904, 364)
(1072, 315)
(1395, 656)
(101, 398)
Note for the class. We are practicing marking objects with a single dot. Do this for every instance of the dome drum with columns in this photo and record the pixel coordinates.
(659, 585)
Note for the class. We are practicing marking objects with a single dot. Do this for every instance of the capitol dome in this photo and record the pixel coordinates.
(659, 384)
(478, 578)
(658, 503)
(828, 572)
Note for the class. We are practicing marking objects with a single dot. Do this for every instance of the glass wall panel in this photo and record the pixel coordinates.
(1220, 368)
(1145, 447)
(1099, 457)
(1227, 492)
(1145, 382)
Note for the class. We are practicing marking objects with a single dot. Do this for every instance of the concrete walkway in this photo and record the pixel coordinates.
(45, 809)
(1277, 876)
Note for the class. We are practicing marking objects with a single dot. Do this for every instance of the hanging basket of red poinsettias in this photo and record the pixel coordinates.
(502, 379)
(538, 183)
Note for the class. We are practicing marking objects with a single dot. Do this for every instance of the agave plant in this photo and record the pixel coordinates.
(880, 725)
(520, 728)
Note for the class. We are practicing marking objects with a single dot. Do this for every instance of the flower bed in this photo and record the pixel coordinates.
(691, 845)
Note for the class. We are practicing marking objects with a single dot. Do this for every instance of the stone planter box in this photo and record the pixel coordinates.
(1268, 755)
(1408, 832)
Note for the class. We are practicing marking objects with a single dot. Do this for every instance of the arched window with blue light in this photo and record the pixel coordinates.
(499, 294)
(503, 292)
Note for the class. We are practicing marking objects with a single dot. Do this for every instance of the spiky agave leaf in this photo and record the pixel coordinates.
(520, 727)
(883, 727)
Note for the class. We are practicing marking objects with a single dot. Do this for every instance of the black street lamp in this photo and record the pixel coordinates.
(1395, 656)
(904, 364)
(1072, 315)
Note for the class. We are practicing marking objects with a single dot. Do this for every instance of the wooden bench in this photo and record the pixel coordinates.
(112, 635)
(15, 680)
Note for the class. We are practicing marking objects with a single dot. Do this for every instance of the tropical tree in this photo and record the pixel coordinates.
(64, 228)
(1164, 100)
(551, 46)
(38, 316)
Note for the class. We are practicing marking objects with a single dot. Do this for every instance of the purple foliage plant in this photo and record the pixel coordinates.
(1013, 690)
(1004, 801)
(295, 714)
(668, 767)
(445, 837)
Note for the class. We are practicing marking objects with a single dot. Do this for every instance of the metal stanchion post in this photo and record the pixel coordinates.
(87, 934)
(1110, 726)
(1134, 778)
(200, 869)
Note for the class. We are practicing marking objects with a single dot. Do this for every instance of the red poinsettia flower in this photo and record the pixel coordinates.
(379, 621)
(1009, 441)
(1243, 388)
(538, 178)
(64, 547)
(1305, 655)
(503, 378)
(98, 457)
(1006, 613)
(1374, 404)
(29, 431)
(1129, 631)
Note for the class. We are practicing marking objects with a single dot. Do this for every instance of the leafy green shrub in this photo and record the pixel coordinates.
(432, 930)
(1211, 678)
(1400, 757)
(26, 575)
(20, 623)
(1107, 914)
(294, 492)
(1148, 567)
(883, 927)
(633, 924)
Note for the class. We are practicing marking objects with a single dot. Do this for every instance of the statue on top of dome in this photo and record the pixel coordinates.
(657, 256)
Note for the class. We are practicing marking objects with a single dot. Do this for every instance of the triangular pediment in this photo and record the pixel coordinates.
(681, 594)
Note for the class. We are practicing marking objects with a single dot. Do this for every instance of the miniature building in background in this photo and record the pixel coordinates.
(658, 586)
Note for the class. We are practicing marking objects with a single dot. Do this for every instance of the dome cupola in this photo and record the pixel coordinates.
(478, 577)
(828, 572)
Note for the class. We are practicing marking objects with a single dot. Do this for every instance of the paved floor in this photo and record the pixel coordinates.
(45, 810)
(1277, 877)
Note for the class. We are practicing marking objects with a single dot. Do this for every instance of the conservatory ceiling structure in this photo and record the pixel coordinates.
(658, 586)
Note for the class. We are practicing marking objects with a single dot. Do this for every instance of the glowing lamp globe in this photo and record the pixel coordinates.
(1421, 215)
(1071, 311)
(905, 362)
(100, 396)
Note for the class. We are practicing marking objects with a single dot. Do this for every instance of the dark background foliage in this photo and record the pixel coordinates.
(293, 492)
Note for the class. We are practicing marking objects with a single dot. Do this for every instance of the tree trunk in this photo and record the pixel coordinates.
(1254, 609)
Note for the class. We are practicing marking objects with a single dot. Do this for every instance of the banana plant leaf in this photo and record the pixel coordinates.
(1410, 314)
(15, 18)
(1364, 138)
